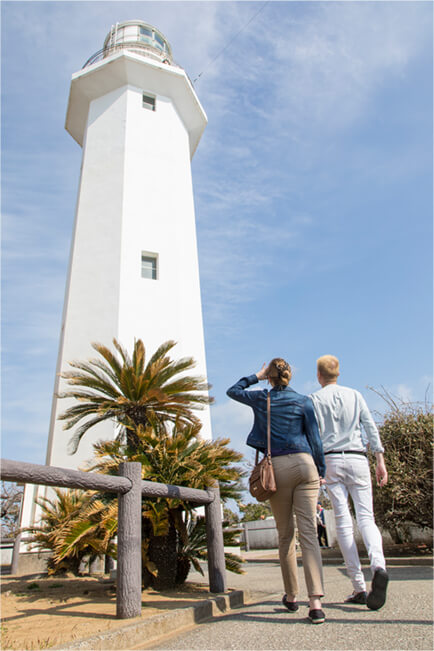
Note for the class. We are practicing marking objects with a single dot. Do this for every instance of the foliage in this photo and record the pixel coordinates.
(194, 549)
(80, 524)
(230, 517)
(74, 525)
(10, 506)
(255, 511)
(122, 388)
(406, 434)
(153, 406)
(178, 456)
(175, 455)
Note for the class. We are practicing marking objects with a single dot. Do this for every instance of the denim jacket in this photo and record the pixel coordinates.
(293, 423)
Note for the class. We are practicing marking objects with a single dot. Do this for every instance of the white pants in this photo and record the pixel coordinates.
(350, 474)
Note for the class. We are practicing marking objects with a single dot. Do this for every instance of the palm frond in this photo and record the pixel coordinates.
(122, 352)
(121, 388)
(138, 360)
(76, 438)
(161, 352)
(109, 357)
(75, 534)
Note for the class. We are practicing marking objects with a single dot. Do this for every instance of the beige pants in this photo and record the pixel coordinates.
(297, 483)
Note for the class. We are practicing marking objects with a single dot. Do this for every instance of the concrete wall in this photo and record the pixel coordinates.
(6, 550)
(33, 562)
(330, 524)
(262, 534)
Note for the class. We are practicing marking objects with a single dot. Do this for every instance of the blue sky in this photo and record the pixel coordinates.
(313, 192)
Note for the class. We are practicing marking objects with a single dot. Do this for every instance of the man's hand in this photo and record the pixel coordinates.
(262, 374)
(381, 471)
(322, 481)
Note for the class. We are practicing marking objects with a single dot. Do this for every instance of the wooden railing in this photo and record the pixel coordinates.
(130, 489)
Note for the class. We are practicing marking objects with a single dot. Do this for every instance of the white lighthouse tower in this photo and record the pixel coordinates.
(134, 266)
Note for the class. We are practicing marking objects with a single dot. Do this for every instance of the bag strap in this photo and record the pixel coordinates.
(268, 455)
(268, 426)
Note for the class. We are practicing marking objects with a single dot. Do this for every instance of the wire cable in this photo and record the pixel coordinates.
(231, 41)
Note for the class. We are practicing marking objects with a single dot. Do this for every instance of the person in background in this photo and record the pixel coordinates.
(298, 463)
(341, 412)
(321, 525)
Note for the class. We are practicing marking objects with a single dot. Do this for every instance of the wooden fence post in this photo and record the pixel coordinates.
(16, 554)
(214, 540)
(129, 567)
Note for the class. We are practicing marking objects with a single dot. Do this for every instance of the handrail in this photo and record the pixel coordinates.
(195, 495)
(33, 473)
(133, 46)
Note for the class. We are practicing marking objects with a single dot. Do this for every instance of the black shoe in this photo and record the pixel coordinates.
(377, 596)
(357, 598)
(316, 616)
(292, 606)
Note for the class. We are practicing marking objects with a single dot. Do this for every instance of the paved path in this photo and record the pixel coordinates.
(405, 622)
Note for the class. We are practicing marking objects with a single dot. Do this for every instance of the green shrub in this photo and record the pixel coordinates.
(406, 433)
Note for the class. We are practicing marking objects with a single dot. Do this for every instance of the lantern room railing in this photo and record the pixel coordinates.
(134, 46)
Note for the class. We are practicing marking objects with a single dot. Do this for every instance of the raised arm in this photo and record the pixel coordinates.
(238, 390)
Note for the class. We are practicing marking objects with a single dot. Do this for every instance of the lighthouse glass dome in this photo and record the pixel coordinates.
(139, 37)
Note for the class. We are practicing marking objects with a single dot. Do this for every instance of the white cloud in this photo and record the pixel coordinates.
(331, 65)
(300, 79)
(403, 392)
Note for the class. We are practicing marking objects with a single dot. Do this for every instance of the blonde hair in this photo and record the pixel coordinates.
(328, 367)
(279, 372)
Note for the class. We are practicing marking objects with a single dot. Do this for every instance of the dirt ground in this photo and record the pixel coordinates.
(40, 612)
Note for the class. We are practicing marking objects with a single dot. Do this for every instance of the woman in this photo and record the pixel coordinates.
(298, 462)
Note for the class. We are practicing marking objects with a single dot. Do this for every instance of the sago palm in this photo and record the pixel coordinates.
(194, 549)
(179, 456)
(73, 525)
(126, 389)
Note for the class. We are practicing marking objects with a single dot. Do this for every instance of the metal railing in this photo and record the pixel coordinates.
(130, 489)
(134, 46)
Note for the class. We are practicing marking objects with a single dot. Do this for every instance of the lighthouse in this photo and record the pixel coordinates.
(133, 269)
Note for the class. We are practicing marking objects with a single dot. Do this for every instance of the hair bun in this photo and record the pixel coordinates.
(279, 369)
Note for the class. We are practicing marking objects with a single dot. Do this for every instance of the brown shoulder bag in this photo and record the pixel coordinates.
(262, 484)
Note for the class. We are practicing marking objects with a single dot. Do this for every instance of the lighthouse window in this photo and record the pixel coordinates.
(148, 102)
(149, 265)
(159, 40)
(145, 32)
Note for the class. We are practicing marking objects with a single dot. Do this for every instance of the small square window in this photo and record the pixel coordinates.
(149, 265)
(148, 102)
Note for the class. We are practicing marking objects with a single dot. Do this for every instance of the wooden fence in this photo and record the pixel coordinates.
(130, 489)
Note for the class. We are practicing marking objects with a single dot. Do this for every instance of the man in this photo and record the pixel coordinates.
(341, 412)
